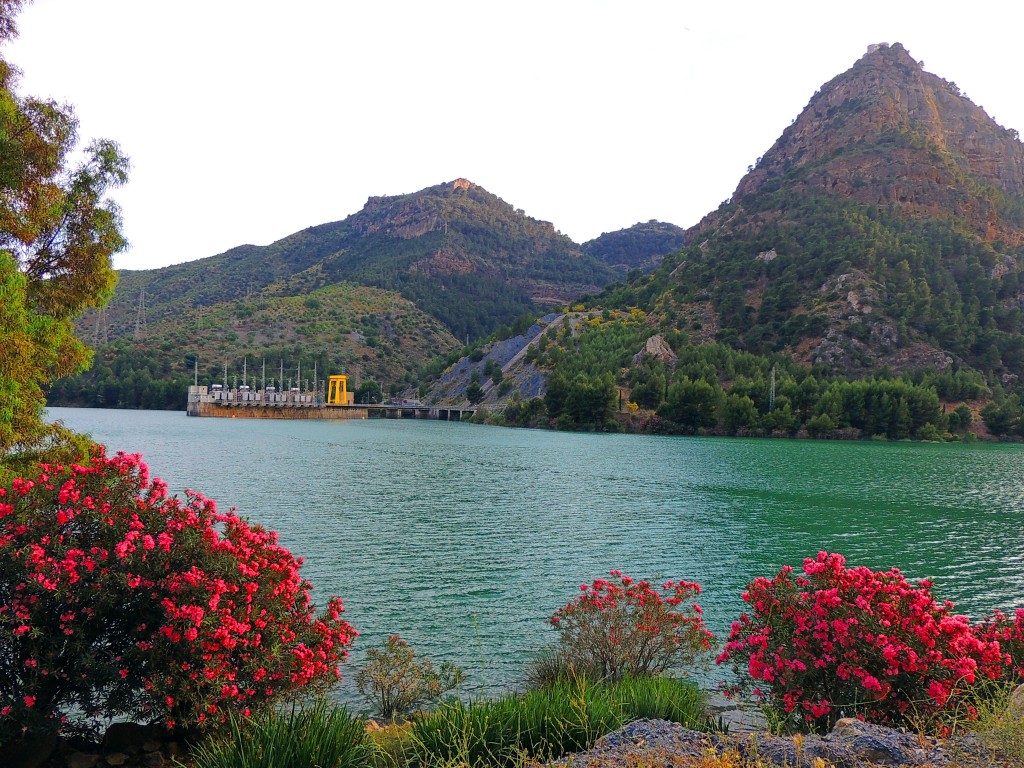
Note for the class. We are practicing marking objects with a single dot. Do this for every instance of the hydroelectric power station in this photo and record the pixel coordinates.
(244, 402)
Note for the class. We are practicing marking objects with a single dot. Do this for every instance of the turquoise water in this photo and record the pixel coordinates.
(464, 538)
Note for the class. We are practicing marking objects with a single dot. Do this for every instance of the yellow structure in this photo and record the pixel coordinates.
(337, 391)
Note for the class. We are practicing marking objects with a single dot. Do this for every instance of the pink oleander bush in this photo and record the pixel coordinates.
(838, 642)
(623, 627)
(1009, 633)
(119, 600)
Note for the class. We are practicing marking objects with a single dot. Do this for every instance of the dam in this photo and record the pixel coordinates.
(244, 402)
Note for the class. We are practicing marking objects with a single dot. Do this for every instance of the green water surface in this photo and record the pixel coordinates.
(464, 538)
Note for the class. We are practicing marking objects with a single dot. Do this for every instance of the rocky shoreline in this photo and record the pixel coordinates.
(851, 744)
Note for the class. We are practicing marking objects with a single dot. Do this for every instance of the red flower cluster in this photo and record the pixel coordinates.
(120, 600)
(1009, 633)
(627, 627)
(841, 641)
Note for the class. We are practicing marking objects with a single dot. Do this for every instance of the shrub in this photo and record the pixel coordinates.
(627, 627)
(395, 681)
(121, 601)
(840, 642)
(1009, 633)
(316, 735)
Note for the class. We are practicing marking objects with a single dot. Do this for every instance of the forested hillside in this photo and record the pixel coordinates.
(870, 265)
(641, 246)
(884, 228)
(460, 253)
(376, 295)
(368, 333)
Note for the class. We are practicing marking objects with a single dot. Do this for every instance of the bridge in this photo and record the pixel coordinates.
(416, 411)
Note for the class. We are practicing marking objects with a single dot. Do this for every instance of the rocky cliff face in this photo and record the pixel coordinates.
(886, 132)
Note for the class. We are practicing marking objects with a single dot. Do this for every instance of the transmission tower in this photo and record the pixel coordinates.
(100, 332)
(140, 316)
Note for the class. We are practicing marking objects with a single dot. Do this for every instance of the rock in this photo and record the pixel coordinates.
(176, 749)
(1015, 706)
(151, 746)
(657, 348)
(640, 739)
(30, 752)
(80, 759)
(153, 760)
(131, 737)
(116, 758)
(851, 744)
(879, 745)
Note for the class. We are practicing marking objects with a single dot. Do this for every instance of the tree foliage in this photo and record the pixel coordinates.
(621, 627)
(57, 233)
(716, 389)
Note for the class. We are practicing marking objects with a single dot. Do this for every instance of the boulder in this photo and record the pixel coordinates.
(1015, 706)
(29, 752)
(878, 745)
(131, 737)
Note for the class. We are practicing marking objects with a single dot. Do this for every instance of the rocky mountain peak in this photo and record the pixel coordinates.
(886, 132)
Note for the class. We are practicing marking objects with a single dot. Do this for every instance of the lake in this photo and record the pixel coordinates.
(463, 539)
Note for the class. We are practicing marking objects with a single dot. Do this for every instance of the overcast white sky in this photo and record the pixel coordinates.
(247, 120)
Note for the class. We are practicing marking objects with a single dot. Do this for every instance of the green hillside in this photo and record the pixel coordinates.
(382, 292)
(458, 252)
(641, 246)
(884, 229)
(368, 333)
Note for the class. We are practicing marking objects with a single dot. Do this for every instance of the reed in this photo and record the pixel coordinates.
(317, 734)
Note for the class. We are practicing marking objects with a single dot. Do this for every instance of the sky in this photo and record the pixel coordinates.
(248, 120)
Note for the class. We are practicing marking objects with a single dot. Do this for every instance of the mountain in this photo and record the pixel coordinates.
(642, 246)
(380, 293)
(455, 250)
(887, 133)
(883, 230)
(866, 278)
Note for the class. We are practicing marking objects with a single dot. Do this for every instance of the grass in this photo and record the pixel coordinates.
(315, 735)
(1000, 725)
(513, 731)
(545, 724)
